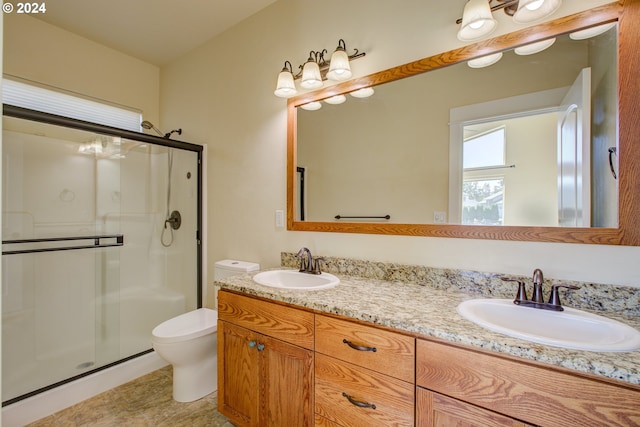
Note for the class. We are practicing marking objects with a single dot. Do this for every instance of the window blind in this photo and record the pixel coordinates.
(50, 101)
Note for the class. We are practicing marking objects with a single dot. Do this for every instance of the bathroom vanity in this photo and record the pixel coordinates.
(314, 352)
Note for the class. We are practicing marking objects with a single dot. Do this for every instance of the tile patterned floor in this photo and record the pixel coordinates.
(144, 402)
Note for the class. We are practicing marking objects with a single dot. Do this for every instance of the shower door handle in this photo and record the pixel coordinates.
(113, 240)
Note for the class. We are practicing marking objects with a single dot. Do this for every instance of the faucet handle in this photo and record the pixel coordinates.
(522, 291)
(316, 265)
(554, 298)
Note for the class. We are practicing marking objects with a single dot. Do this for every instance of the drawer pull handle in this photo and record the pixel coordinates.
(358, 347)
(358, 403)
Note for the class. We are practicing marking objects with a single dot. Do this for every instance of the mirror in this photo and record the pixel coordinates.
(406, 151)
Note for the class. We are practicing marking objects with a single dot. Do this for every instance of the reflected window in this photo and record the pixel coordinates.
(483, 191)
(483, 201)
(485, 150)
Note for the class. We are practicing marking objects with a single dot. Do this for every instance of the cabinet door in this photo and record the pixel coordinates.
(286, 384)
(238, 380)
(436, 410)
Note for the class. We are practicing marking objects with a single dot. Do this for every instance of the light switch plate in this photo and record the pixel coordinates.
(439, 217)
(279, 218)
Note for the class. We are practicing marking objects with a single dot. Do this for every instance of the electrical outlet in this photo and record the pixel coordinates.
(439, 217)
(279, 219)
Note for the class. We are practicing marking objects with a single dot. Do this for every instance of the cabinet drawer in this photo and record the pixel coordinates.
(436, 410)
(335, 379)
(274, 320)
(535, 394)
(394, 353)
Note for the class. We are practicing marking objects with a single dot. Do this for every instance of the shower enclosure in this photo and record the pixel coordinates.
(100, 243)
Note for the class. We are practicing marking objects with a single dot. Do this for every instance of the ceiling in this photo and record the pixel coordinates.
(155, 31)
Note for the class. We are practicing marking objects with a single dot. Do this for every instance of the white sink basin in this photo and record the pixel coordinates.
(570, 328)
(293, 279)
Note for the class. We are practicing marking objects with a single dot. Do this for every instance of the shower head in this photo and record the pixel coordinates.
(149, 126)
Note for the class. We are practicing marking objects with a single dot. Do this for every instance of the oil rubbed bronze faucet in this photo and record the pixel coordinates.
(537, 298)
(309, 264)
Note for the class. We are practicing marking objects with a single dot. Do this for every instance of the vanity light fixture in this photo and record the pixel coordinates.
(316, 69)
(339, 69)
(311, 77)
(533, 10)
(285, 87)
(477, 18)
(531, 48)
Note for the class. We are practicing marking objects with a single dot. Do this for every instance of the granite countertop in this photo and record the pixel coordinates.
(431, 312)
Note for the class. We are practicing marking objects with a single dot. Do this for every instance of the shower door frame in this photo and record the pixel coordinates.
(47, 118)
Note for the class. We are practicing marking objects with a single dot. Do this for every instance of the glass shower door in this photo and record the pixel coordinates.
(93, 258)
(57, 259)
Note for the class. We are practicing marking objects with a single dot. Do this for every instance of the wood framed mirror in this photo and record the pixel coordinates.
(619, 231)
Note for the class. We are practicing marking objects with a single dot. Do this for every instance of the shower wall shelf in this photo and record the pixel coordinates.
(98, 242)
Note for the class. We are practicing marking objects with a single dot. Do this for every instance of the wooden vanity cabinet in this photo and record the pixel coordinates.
(464, 387)
(265, 363)
(282, 366)
(364, 375)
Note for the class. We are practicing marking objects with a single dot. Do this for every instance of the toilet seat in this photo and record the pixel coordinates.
(186, 326)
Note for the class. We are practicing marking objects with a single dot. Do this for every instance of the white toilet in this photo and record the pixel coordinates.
(189, 343)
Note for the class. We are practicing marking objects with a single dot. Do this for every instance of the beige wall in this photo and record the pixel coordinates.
(40, 52)
(221, 94)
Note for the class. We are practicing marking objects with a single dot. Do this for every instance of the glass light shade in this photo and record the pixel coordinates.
(484, 61)
(311, 77)
(312, 106)
(591, 32)
(477, 21)
(531, 48)
(335, 100)
(339, 68)
(285, 87)
(533, 10)
(365, 92)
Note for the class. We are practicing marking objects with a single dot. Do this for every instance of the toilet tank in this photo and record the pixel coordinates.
(227, 268)
(231, 267)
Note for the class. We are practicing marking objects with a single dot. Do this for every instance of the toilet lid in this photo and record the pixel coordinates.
(186, 326)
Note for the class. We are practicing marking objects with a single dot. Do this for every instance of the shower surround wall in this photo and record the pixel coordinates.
(65, 313)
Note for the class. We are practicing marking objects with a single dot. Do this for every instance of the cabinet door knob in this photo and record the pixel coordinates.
(252, 344)
(260, 347)
(358, 403)
(358, 347)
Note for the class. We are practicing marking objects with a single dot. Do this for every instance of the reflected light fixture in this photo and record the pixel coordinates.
(531, 48)
(591, 32)
(335, 100)
(485, 61)
(316, 69)
(477, 17)
(365, 92)
(311, 106)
